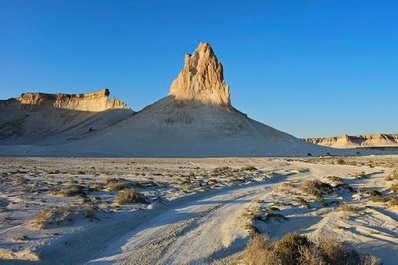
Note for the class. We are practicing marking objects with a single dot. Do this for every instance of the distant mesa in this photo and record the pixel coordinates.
(94, 101)
(357, 141)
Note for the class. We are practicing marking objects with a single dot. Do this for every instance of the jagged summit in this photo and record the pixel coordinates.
(201, 79)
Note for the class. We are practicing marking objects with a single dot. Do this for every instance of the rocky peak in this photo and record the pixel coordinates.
(201, 79)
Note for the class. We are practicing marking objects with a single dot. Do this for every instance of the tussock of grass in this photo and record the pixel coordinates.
(118, 184)
(127, 196)
(393, 175)
(340, 161)
(358, 175)
(248, 168)
(58, 215)
(297, 249)
(345, 207)
(316, 187)
(370, 192)
(335, 179)
(69, 191)
(394, 188)
(303, 202)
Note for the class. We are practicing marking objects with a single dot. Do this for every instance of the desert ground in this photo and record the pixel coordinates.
(190, 211)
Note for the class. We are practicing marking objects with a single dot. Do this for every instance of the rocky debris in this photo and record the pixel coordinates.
(201, 79)
(366, 140)
(94, 101)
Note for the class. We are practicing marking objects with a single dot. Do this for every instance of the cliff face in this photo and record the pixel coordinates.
(95, 101)
(201, 79)
(35, 117)
(367, 140)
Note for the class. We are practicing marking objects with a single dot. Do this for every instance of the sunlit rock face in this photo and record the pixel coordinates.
(94, 101)
(201, 79)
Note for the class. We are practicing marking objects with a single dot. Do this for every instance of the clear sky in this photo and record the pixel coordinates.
(309, 68)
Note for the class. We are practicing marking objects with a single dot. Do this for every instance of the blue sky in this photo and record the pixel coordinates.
(310, 68)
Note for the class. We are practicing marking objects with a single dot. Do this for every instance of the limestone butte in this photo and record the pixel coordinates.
(366, 140)
(95, 101)
(201, 79)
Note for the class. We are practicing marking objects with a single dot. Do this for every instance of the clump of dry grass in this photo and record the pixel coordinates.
(118, 184)
(345, 207)
(335, 179)
(96, 186)
(60, 214)
(303, 203)
(340, 161)
(316, 187)
(69, 190)
(371, 192)
(394, 188)
(358, 175)
(127, 196)
(248, 168)
(297, 249)
(393, 175)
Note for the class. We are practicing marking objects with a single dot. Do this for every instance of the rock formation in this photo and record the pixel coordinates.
(195, 120)
(94, 101)
(45, 118)
(367, 140)
(201, 79)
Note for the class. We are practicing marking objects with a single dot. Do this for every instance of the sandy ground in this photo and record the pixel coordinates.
(198, 211)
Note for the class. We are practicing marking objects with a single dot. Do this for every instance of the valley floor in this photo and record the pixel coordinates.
(196, 211)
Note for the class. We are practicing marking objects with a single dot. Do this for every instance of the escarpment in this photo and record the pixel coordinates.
(95, 101)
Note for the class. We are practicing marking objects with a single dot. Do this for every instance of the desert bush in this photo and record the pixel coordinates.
(370, 192)
(303, 202)
(344, 186)
(114, 184)
(274, 216)
(69, 190)
(60, 214)
(340, 161)
(393, 175)
(335, 179)
(95, 186)
(127, 196)
(358, 175)
(378, 198)
(248, 168)
(297, 249)
(316, 187)
(394, 188)
(392, 200)
(345, 207)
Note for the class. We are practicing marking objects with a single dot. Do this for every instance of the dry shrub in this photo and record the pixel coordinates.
(303, 203)
(248, 168)
(370, 192)
(127, 196)
(58, 215)
(394, 188)
(340, 161)
(392, 200)
(118, 184)
(316, 187)
(95, 186)
(345, 207)
(298, 249)
(393, 175)
(69, 190)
